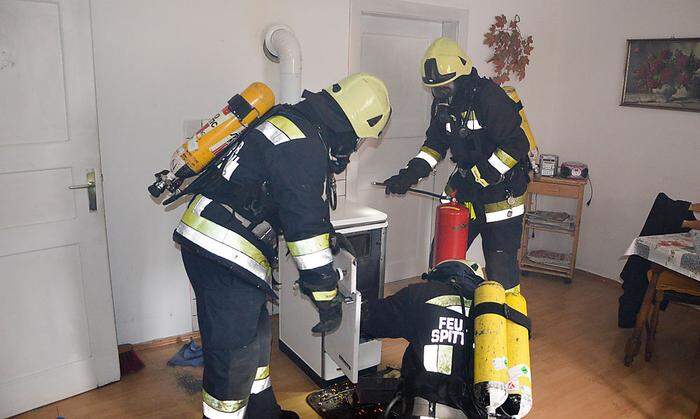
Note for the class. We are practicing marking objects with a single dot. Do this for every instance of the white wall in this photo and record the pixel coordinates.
(632, 153)
(157, 64)
(160, 63)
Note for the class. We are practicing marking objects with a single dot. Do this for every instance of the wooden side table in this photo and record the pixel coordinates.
(558, 187)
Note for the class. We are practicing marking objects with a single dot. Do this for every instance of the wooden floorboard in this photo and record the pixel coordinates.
(577, 353)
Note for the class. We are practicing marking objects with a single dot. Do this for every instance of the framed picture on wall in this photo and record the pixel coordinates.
(662, 73)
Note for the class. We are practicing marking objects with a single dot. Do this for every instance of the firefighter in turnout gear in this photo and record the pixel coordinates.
(468, 354)
(271, 180)
(434, 318)
(480, 125)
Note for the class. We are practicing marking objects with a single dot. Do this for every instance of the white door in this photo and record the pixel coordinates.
(56, 311)
(388, 39)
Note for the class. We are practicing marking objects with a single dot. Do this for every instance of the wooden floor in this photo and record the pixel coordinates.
(577, 353)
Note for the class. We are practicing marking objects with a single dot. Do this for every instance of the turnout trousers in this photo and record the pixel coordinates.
(235, 328)
(500, 242)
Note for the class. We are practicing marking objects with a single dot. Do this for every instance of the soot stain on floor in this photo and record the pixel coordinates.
(189, 383)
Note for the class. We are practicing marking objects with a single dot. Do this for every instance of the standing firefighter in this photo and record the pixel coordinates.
(271, 179)
(480, 125)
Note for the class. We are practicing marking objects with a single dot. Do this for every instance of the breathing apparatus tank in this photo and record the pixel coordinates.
(214, 137)
(533, 153)
(519, 401)
(490, 347)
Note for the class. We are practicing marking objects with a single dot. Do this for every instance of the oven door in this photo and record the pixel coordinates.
(343, 345)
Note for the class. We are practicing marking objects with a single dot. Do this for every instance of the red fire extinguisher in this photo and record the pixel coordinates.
(451, 228)
(451, 232)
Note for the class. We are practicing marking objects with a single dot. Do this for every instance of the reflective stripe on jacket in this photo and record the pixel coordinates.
(275, 173)
(220, 241)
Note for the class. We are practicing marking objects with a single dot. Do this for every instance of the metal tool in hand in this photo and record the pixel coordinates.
(420, 191)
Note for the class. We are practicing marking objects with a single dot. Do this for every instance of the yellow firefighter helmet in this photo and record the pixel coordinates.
(443, 62)
(364, 99)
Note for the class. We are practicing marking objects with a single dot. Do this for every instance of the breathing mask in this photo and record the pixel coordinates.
(443, 110)
(342, 145)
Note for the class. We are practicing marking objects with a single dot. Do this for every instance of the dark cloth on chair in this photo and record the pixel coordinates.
(666, 217)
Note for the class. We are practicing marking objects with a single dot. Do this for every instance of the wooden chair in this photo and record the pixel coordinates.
(672, 287)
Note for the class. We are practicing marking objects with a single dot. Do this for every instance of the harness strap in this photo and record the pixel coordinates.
(202, 181)
(503, 310)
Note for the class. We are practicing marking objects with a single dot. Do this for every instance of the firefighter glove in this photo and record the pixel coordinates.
(469, 193)
(327, 300)
(465, 187)
(340, 242)
(330, 314)
(407, 177)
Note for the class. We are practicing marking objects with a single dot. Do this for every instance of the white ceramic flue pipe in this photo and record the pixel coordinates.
(284, 46)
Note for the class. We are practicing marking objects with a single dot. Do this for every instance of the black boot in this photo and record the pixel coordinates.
(288, 414)
(263, 406)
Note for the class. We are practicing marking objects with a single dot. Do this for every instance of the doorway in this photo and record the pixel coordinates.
(388, 39)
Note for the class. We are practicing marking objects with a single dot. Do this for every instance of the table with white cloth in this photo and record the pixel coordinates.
(675, 267)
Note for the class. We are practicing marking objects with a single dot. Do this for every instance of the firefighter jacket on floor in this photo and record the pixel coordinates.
(436, 365)
(481, 129)
(276, 174)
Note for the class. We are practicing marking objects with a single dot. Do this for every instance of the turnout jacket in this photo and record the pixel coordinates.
(488, 146)
(276, 173)
(436, 364)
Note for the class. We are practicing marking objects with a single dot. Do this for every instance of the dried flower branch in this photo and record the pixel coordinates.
(511, 51)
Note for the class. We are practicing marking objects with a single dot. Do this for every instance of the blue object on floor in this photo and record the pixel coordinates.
(189, 355)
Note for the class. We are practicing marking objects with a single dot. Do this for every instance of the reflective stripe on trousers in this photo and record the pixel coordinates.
(222, 409)
(262, 380)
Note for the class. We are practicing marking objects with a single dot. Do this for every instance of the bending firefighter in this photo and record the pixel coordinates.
(270, 179)
(464, 333)
(480, 125)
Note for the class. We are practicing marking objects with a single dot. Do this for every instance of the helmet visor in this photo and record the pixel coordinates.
(432, 73)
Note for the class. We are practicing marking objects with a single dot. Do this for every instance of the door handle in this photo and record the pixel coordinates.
(91, 189)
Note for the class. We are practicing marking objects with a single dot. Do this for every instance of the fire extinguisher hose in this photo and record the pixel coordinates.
(420, 191)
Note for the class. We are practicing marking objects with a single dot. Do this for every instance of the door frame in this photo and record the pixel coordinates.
(454, 22)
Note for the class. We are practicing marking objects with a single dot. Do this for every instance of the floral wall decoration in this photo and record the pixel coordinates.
(511, 49)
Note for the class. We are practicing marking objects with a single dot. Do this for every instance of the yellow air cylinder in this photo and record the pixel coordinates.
(223, 128)
(533, 153)
(519, 401)
(525, 125)
(490, 348)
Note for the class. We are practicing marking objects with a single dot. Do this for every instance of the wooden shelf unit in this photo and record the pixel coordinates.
(557, 187)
